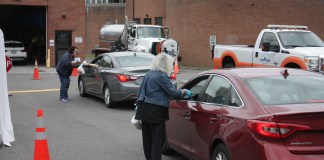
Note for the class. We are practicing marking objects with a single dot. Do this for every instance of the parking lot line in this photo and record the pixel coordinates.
(33, 91)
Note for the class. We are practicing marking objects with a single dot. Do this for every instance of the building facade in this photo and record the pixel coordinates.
(192, 22)
(57, 24)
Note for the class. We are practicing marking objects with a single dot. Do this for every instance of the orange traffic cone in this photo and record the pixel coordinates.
(41, 147)
(175, 67)
(36, 73)
(75, 72)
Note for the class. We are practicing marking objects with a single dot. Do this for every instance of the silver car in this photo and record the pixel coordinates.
(16, 51)
(117, 78)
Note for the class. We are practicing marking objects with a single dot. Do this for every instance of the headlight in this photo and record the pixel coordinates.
(311, 62)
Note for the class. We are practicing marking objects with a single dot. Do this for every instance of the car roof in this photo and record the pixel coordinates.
(128, 53)
(261, 72)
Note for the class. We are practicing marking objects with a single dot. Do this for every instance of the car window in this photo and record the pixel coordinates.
(271, 38)
(217, 91)
(235, 99)
(134, 60)
(106, 62)
(13, 45)
(97, 61)
(196, 85)
(276, 90)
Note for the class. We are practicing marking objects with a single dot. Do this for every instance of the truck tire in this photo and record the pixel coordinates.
(229, 65)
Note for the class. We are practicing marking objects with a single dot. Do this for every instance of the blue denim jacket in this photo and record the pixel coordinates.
(157, 89)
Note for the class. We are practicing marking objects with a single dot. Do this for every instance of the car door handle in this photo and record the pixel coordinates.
(213, 119)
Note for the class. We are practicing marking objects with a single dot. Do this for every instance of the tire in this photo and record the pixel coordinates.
(166, 150)
(82, 89)
(229, 65)
(221, 153)
(107, 97)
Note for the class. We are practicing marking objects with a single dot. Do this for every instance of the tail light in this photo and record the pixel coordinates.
(125, 78)
(273, 129)
(173, 76)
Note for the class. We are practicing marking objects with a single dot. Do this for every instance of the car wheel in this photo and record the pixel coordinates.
(82, 88)
(166, 150)
(229, 65)
(221, 153)
(107, 97)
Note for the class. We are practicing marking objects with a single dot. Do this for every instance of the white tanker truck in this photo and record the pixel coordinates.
(134, 37)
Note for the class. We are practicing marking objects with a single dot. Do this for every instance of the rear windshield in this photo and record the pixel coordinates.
(14, 45)
(276, 90)
(133, 61)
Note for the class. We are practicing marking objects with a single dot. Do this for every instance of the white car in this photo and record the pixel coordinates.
(16, 51)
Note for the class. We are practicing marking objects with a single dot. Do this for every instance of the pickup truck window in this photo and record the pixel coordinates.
(269, 37)
(299, 39)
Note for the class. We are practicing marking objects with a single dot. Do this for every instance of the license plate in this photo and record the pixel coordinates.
(13, 52)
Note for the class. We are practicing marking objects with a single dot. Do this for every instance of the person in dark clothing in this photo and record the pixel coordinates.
(64, 69)
(153, 102)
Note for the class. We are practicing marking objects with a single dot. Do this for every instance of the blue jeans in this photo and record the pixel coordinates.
(65, 84)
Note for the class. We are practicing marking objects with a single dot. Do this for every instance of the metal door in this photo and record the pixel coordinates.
(63, 40)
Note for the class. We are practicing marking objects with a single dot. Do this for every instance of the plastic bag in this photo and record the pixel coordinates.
(136, 123)
(80, 69)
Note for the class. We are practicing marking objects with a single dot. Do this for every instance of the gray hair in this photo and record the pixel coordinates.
(163, 63)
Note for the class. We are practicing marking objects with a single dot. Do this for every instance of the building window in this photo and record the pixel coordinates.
(103, 1)
(147, 20)
(137, 20)
(159, 21)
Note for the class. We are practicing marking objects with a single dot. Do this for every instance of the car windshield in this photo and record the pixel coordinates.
(150, 32)
(134, 61)
(299, 39)
(276, 90)
(13, 45)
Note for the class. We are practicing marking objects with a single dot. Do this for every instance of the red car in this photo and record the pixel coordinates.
(249, 114)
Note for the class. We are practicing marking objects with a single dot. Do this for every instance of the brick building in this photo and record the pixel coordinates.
(51, 25)
(192, 22)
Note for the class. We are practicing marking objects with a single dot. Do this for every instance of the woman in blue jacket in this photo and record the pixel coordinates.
(153, 102)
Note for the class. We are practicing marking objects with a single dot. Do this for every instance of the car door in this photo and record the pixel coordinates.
(267, 58)
(207, 116)
(178, 133)
(89, 78)
(102, 73)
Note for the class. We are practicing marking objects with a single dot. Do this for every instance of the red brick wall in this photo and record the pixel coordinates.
(74, 21)
(96, 17)
(191, 22)
(153, 8)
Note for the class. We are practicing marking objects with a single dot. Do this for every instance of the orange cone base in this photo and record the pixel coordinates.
(36, 74)
(75, 72)
(176, 69)
(41, 150)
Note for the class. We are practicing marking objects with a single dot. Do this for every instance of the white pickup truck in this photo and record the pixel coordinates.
(278, 45)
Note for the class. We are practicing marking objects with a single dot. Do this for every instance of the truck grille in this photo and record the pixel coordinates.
(153, 50)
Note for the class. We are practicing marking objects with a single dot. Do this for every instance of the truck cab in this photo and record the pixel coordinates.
(289, 46)
(278, 45)
(144, 38)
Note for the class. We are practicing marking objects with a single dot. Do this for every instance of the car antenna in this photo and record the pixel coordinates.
(285, 73)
